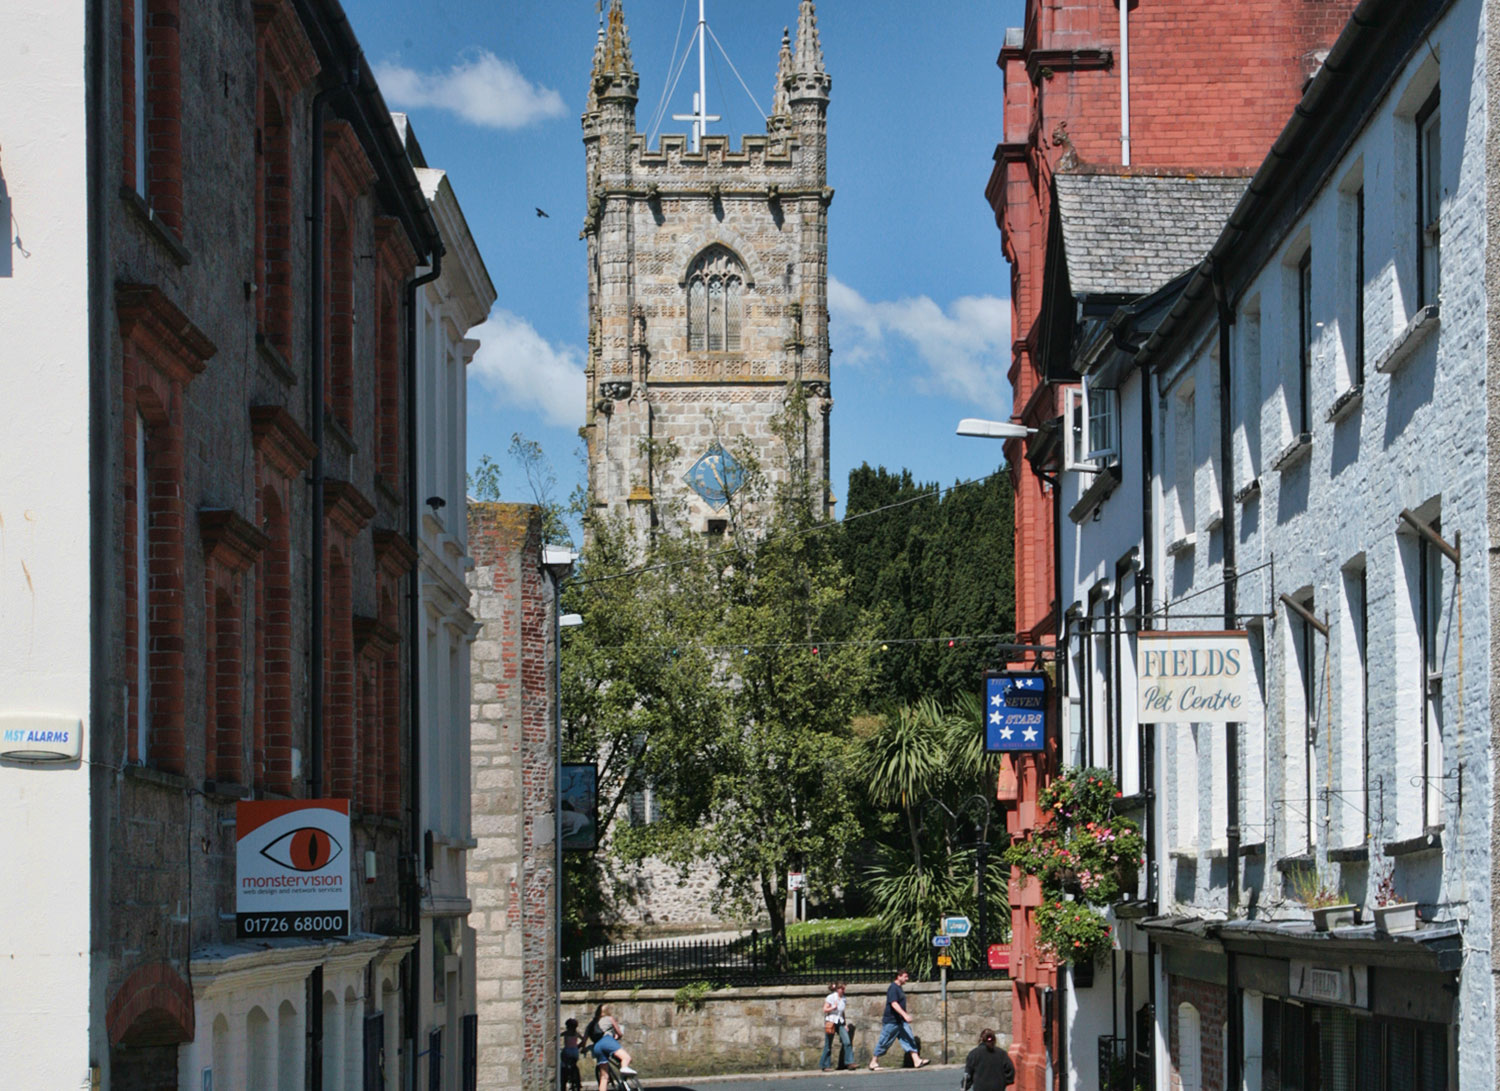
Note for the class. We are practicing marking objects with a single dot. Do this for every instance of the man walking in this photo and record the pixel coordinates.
(895, 1024)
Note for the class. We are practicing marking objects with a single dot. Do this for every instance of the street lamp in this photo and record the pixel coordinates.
(557, 562)
(993, 429)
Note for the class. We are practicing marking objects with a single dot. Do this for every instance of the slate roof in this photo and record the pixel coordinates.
(1129, 234)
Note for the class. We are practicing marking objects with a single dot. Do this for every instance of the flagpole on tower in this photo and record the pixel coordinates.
(700, 117)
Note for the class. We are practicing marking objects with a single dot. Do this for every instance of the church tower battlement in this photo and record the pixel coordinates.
(708, 288)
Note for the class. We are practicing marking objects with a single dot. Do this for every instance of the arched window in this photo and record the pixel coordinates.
(716, 285)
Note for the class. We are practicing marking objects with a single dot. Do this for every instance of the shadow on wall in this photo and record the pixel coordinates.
(11, 242)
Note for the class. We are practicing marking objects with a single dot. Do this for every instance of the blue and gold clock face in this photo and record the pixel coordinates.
(716, 477)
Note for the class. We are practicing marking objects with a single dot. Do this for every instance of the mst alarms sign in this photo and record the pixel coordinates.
(1195, 678)
(292, 874)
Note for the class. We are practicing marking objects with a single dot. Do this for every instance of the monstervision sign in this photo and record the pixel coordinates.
(1195, 678)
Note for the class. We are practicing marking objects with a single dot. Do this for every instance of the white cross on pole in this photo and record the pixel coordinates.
(700, 117)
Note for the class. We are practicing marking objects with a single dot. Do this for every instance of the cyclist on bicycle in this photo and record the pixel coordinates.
(608, 1032)
(572, 1043)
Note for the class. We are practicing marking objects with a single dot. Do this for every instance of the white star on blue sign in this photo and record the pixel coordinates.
(994, 717)
(1029, 734)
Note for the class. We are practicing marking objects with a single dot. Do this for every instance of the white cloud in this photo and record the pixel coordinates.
(523, 369)
(481, 88)
(966, 349)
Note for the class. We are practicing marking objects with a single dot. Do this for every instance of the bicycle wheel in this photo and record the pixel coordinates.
(571, 1079)
(631, 1083)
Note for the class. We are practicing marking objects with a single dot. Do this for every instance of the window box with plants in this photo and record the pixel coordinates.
(1392, 915)
(1330, 906)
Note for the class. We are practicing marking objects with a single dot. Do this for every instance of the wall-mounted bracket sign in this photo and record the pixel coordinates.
(1015, 710)
(41, 738)
(1195, 678)
(292, 868)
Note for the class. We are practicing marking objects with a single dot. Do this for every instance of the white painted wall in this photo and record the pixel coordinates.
(44, 542)
(1415, 439)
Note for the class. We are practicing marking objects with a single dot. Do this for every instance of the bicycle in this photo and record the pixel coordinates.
(620, 1081)
(569, 1076)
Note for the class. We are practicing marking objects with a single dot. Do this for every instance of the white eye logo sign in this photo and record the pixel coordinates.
(306, 849)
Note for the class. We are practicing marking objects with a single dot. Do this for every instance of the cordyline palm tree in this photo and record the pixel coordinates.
(931, 763)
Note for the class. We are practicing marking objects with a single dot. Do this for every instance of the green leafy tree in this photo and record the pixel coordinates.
(930, 565)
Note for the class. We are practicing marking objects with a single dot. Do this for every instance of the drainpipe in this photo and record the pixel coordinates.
(1232, 731)
(315, 322)
(1124, 82)
(413, 892)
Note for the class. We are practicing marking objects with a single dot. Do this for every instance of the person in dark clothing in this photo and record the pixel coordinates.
(988, 1068)
(895, 1025)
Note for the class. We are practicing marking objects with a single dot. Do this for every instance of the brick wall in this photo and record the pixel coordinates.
(1211, 1002)
(513, 760)
(206, 344)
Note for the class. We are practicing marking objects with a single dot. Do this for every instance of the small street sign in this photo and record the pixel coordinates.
(998, 957)
(945, 960)
(942, 941)
(956, 926)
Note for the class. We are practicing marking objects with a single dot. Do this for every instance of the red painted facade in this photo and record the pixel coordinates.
(1211, 85)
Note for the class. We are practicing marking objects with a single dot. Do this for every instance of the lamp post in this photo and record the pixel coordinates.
(557, 562)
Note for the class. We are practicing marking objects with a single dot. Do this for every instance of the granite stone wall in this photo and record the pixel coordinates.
(513, 762)
(781, 1027)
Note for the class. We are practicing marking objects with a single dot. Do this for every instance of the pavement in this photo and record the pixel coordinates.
(932, 1077)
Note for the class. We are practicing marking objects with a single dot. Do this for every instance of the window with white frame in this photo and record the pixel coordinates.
(1184, 766)
(1184, 458)
(1352, 277)
(1429, 199)
(1075, 430)
(1103, 409)
(1301, 737)
(1247, 397)
(1354, 719)
(1302, 415)
(1428, 612)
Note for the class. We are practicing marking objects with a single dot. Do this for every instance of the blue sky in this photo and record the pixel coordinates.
(918, 286)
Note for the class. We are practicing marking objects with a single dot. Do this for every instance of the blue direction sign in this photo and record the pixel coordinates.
(942, 941)
(1015, 711)
(956, 926)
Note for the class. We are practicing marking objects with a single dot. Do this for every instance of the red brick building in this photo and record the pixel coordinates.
(1207, 88)
(239, 415)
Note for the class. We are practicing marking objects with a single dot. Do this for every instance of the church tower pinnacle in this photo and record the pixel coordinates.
(708, 294)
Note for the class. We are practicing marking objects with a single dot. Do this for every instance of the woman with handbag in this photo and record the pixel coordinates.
(834, 1024)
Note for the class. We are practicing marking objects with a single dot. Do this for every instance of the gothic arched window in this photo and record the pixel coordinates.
(716, 287)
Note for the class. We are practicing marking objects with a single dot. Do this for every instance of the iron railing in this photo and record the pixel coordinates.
(748, 960)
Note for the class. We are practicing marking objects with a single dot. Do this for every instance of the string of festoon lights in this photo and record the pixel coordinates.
(820, 647)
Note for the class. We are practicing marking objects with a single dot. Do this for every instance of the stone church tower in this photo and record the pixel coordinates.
(708, 292)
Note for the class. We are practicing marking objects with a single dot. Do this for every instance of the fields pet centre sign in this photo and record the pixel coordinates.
(1195, 678)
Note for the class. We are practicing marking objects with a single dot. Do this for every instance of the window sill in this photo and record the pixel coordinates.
(1431, 840)
(1353, 854)
(1184, 854)
(1422, 323)
(390, 491)
(1303, 861)
(1345, 404)
(333, 427)
(1293, 453)
(1248, 492)
(1215, 521)
(1254, 850)
(225, 791)
(1134, 802)
(1182, 545)
(154, 226)
(272, 358)
(1104, 483)
(148, 774)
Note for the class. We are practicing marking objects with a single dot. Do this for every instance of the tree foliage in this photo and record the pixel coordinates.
(934, 567)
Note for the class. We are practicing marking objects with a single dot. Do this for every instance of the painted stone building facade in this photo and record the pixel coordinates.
(1184, 87)
(707, 272)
